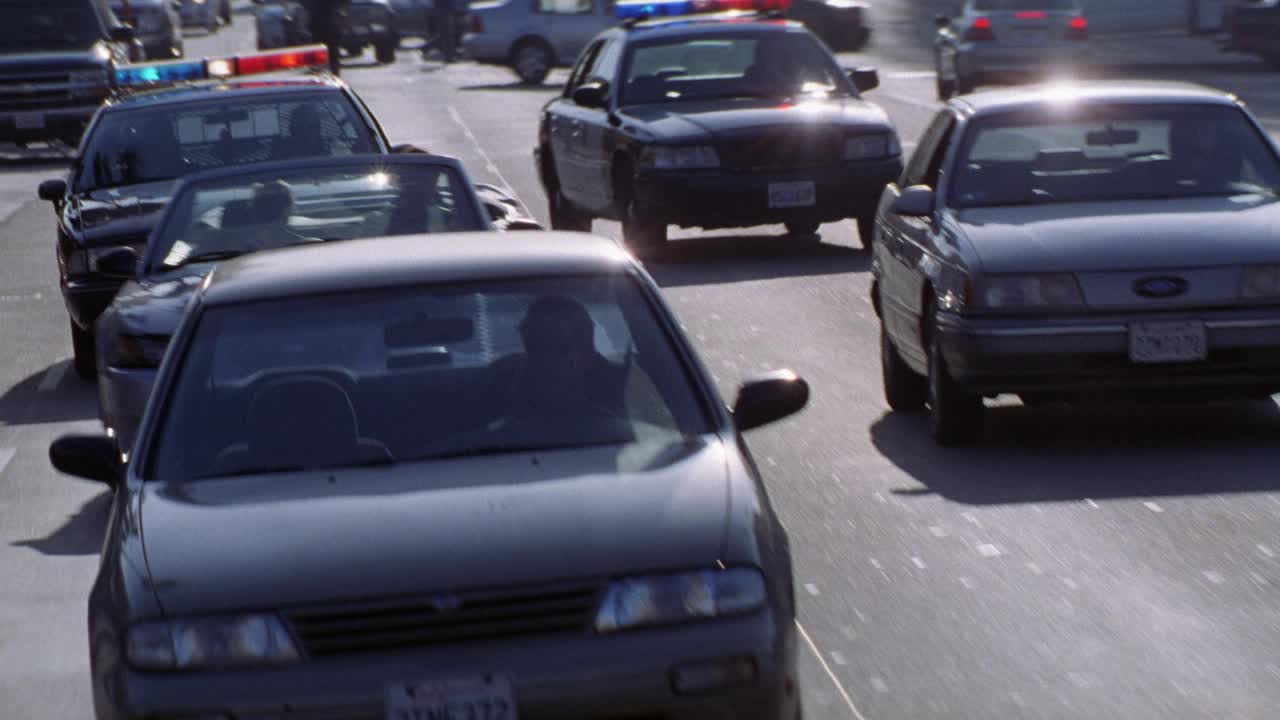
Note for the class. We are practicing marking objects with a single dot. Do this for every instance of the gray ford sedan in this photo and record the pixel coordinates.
(1065, 243)
(440, 476)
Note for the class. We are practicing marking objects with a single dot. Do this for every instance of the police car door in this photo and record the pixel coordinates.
(599, 128)
(566, 130)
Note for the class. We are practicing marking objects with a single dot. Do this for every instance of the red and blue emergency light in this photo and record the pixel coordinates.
(637, 9)
(175, 71)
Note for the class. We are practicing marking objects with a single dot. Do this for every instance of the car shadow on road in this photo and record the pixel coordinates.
(69, 399)
(1057, 454)
(727, 259)
(81, 534)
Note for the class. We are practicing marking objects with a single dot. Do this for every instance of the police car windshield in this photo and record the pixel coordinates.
(1112, 153)
(134, 146)
(39, 25)
(738, 65)
(217, 219)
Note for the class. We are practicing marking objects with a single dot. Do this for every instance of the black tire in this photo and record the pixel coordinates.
(965, 84)
(866, 230)
(385, 51)
(955, 415)
(82, 344)
(904, 389)
(564, 216)
(531, 60)
(643, 236)
(803, 228)
(226, 13)
(946, 89)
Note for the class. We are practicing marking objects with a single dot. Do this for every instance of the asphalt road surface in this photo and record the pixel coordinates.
(1100, 564)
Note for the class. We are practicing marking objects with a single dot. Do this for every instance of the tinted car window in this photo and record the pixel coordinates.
(426, 372)
(1112, 153)
(999, 5)
(138, 146)
(727, 66)
(259, 211)
(33, 25)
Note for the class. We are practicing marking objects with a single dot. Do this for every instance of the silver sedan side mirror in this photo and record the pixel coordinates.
(915, 201)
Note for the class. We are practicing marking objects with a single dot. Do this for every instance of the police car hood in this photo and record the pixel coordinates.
(104, 216)
(705, 119)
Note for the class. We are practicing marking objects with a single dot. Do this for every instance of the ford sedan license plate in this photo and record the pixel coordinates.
(1163, 342)
(472, 697)
(792, 194)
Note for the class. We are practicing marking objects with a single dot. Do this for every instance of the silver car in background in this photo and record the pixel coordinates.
(1008, 37)
(534, 36)
(207, 14)
(1080, 244)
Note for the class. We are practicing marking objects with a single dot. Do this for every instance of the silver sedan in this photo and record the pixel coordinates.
(1062, 242)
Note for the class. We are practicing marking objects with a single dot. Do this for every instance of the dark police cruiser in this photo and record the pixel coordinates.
(140, 143)
(723, 120)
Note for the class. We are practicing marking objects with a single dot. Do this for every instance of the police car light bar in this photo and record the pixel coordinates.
(175, 71)
(628, 9)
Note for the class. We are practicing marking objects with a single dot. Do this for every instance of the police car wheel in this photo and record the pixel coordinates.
(946, 88)
(385, 51)
(866, 231)
(566, 217)
(82, 346)
(643, 235)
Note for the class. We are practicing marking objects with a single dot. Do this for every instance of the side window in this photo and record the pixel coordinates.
(563, 7)
(918, 169)
(585, 62)
(934, 169)
(606, 65)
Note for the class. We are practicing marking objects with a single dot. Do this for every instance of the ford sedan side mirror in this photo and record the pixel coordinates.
(592, 94)
(915, 201)
(92, 457)
(769, 398)
(865, 79)
(122, 33)
(52, 190)
(122, 261)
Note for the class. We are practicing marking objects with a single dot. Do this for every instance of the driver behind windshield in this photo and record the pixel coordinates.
(271, 207)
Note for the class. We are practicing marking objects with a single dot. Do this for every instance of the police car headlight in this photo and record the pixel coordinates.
(691, 157)
(870, 147)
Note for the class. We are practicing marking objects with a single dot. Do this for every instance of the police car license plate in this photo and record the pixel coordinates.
(466, 697)
(28, 121)
(1162, 342)
(792, 194)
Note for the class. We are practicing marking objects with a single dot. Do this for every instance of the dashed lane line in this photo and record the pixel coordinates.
(6, 454)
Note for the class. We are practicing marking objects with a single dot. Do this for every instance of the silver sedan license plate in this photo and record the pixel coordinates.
(465, 697)
(1164, 342)
(792, 194)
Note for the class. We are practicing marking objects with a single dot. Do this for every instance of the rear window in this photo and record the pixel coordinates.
(1008, 5)
(140, 146)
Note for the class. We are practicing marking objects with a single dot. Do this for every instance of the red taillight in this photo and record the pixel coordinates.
(980, 30)
(477, 25)
(1031, 15)
(1079, 28)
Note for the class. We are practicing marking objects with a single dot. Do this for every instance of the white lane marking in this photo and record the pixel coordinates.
(988, 550)
(1071, 584)
(971, 518)
(908, 100)
(967, 583)
(918, 563)
(53, 376)
(812, 589)
(488, 161)
(938, 531)
(860, 615)
(1257, 577)
(1214, 577)
(1091, 503)
(879, 685)
(1266, 551)
(1153, 507)
(909, 74)
(879, 496)
(6, 454)
(844, 695)
(837, 657)
(876, 564)
(1035, 568)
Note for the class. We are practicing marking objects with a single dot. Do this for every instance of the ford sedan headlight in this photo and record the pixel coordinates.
(692, 157)
(197, 643)
(683, 597)
(871, 147)
(1052, 291)
(1260, 282)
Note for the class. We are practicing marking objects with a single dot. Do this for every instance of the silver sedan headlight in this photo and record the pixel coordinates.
(1260, 282)
(1050, 291)
(683, 597)
(691, 157)
(872, 147)
(197, 643)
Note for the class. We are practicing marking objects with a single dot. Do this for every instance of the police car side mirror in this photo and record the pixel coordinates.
(122, 33)
(121, 262)
(941, 20)
(865, 79)
(592, 94)
(915, 201)
(52, 190)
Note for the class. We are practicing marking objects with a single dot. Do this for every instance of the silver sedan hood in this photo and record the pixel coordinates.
(1145, 234)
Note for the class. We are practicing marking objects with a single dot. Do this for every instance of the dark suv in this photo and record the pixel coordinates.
(57, 65)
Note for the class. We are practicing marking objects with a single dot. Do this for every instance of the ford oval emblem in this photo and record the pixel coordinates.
(1160, 287)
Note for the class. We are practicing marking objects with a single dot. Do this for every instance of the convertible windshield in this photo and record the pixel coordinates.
(429, 372)
(139, 146)
(217, 219)
(31, 25)
(1112, 153)
(768, 65)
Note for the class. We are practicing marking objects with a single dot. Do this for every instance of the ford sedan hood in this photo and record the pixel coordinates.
(678, 122)
(285, 540)
(1145, 234)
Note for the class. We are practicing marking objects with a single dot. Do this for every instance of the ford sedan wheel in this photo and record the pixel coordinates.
(955, 415)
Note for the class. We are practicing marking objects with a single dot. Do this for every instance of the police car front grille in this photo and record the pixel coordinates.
(422, 621)
(780, 152)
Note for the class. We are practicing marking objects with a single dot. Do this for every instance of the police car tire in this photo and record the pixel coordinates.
(904, 389)
(226, 13)
(566, 217)
(82, 345)
(946, 89)
(955, 414)
(866, 230)
(642, 235)
(385, 51)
